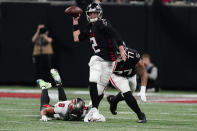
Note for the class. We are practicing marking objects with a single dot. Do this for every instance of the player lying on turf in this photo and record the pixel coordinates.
(64, 109)
(124, 79)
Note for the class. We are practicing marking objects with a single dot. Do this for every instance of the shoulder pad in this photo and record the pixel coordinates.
(104, 22)
(134, 53)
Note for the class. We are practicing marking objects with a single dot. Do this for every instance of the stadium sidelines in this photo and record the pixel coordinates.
(152, 97)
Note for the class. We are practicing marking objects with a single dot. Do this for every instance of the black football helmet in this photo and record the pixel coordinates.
(94, 7)
(76, 108)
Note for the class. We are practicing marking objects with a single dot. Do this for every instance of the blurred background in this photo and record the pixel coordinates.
(165, 29)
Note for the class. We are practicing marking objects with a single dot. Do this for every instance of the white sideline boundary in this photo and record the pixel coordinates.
(87, 92)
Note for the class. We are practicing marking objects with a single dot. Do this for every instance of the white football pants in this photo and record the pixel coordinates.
(124, 84)
(100, 72)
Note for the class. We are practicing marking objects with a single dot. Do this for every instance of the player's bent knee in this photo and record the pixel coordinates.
(125, 90)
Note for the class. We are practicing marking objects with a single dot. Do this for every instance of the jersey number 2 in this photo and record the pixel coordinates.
(94, 44)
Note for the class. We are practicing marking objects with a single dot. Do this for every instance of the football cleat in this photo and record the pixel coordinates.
(113, 106)
(88, 117)
(142, 118)
(43, 85)
(97, 117)
(56, 76)
(94, 116)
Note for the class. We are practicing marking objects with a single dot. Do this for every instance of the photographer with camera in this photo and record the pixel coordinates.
(42, 52)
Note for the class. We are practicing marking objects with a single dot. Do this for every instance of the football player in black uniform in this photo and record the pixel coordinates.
(124, 79)
(104, 41)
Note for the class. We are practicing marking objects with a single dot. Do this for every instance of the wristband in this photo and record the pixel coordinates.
(75, 27)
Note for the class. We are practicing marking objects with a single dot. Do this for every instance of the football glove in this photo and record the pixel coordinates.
(45, 118)
(142, 94)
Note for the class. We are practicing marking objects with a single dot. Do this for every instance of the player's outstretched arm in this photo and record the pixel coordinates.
(76, 31)
(47, 111)
(142, 72)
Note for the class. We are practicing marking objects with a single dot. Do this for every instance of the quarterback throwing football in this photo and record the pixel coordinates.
(104, 40)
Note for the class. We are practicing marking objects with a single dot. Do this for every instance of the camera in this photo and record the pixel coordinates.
(43, 30)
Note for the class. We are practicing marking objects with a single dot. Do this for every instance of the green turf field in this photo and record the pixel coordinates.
(23, 115)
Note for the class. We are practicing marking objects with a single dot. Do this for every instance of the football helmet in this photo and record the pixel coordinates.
(94, 7)
(76, 108)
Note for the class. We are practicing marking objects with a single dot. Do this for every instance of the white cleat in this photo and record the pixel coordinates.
(56, 76)
(97, 117)
(94, 116)
(88, 117)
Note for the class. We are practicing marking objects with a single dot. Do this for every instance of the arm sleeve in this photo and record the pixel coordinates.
(107, 28)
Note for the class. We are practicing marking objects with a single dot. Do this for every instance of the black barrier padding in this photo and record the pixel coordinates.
(168, 34)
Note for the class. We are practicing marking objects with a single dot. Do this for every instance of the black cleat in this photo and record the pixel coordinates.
(113, 106)
(142, 118)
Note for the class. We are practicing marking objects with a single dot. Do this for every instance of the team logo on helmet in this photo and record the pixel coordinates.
(76, 108)
(94, 7)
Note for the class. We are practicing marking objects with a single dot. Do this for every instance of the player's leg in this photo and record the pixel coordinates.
(61, 93)
(44, 99)
(125, 85)
(113, 101)
(95, 67)
(131, 101)
(95, 72)
(121, 84)
(106, 72)
(96, 87)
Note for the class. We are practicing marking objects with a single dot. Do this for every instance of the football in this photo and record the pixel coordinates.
(73, 11)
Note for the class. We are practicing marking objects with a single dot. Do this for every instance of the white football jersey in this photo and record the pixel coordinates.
(61, 107)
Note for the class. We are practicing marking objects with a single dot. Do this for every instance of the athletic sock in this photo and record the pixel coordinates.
(61, 93)
(100, 98)
(44, 97)
(117, 98)
(132, 103)
(94, 94)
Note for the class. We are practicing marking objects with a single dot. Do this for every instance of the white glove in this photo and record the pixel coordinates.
(45, 118)
(142, 94)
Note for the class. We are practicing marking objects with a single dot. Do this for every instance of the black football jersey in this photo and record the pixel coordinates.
(103, 39)
(127, 68)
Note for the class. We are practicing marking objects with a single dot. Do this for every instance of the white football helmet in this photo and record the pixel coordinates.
(94, 7)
